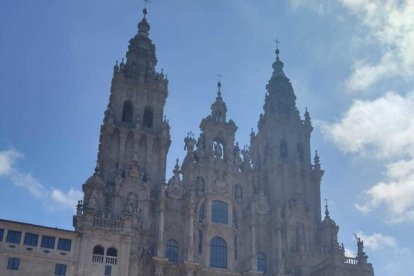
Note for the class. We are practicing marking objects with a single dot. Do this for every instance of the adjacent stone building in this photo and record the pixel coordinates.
(225, 210)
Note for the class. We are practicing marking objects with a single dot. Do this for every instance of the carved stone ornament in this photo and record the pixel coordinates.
(175, 188)
(262, 206)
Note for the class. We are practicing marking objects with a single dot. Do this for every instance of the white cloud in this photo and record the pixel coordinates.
(390, 25)
(69, 199)
(378, 241)
(26, 181)
(382, 129)
(349, 253)
(7, 159)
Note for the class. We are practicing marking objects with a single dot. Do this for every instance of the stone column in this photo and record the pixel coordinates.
(191, 227)
(160, 251)
(253, 227)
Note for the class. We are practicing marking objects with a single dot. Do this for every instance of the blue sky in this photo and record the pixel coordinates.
(351, 63)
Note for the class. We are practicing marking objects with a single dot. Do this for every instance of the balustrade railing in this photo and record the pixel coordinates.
(110, 260)
(351, 261)
(97, 258)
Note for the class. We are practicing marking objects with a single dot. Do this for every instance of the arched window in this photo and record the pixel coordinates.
(201, 214)
(218, 253)
(127, 112)
(98, 250)
(200, 186)
(238, 192)
(172, 251)
(219, 212)
(283, 149)
(261, 262)
(200, 242)
(148, 117)
(111, 252)
(98, 254)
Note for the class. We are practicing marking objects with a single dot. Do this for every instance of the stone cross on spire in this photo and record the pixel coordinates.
(277, 47)
(145, 11)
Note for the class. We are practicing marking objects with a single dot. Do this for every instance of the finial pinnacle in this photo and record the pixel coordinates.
(219, 85)
(277, 47)
(326, 208)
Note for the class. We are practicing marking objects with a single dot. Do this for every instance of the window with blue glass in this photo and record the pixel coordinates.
(201, 213)
(31, 239)
(261, 262)
(1, 234)
(108, 270)
(219, 212)
(218, 253)
(60, 269)
(13, 263)
(48, 242)
(13, 236)
(172, 251)
(64, 244)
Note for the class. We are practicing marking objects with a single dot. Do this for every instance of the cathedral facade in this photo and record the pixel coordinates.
(225, 210)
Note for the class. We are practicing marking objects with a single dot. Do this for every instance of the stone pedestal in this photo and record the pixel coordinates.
(190, 268)
(159, 264)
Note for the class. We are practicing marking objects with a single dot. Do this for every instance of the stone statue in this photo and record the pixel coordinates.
(132, 203)
(92, 200)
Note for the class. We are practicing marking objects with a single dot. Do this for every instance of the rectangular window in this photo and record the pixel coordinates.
(1, 234)
(13, 236)
(64, 244)
(60, 269)
(31, 239)
(48, 242)
(13, 263)
(108, 270)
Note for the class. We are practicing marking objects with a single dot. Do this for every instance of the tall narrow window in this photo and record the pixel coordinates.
(261, 262)
(201, 214)
(127, 112)
(13, 236)
(235, 247)
(1, 234)
(235, 219)
(172, 251)
(31, 239)
(60, 269)
(13, 263)
(200, 242)
(238, 192)
(148, 117)
(283, 149)
(218, 253)
(219, 212)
